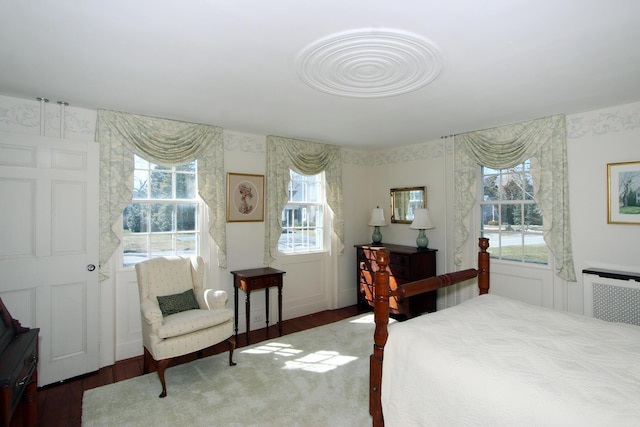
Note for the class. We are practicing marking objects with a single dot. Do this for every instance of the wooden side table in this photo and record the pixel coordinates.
(254, 279)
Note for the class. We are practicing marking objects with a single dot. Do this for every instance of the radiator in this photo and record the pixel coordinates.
(613, 296)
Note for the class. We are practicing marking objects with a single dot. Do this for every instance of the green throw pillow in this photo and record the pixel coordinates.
(171, 304)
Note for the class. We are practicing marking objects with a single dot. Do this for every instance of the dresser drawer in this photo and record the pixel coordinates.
(19, 362)
(399, 259)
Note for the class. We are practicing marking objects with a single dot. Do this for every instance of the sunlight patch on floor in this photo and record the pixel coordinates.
(320, 361)
(274, 348)
(368, 319)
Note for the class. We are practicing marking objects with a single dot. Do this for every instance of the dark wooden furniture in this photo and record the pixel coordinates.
(406, 264)
(18, 369)
(383, 294)
(254, 279)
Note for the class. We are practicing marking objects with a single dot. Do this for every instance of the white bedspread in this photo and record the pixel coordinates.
(493, 361)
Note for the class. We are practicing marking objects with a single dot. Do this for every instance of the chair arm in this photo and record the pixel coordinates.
(216, 299)
(151, 312)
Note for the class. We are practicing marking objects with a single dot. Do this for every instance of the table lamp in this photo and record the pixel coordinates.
(421, 222)
(377, 221)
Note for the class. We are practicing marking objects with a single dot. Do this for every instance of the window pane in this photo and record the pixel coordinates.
(159, 167)
(161, 217)
(490, 216)
(506, 217)
(186, 217)
(136, 218)
(185, 186)
(189, 167)
(511, 246)
(140, 184)
(140, 163)
(135, 248)
(490, 188)
(161, 244)
(287, 216)
(313, 216)
(161, 185)
(512, 188)
(186, 244)
(314, 192)
(528, 185)
(489, 171)
(535, 249)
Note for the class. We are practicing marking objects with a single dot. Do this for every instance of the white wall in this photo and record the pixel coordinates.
(594, 139)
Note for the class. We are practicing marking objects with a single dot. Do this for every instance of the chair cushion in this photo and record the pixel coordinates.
(189, 321)
(172, 304)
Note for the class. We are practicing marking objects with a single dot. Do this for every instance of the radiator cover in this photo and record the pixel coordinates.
(613, 296)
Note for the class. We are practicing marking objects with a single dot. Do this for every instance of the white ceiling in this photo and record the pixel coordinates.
(233, 63)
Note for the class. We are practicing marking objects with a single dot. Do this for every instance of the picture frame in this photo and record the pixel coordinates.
(623, 193)
(245, 197)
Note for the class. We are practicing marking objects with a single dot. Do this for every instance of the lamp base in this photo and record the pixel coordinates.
(422, 241)
(376, 237)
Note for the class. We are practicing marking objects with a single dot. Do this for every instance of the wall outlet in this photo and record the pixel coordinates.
(257, 318)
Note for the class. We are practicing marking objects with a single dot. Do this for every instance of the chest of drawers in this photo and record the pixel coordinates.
(18, 369)
(406, 264)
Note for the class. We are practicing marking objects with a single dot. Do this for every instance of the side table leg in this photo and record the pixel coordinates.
(235, 310)
(280, 308)
(247, 307)
(266, 304)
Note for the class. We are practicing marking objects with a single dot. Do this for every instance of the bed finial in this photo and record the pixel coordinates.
(483, 265)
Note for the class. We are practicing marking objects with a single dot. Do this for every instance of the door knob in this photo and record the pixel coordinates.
(91, 267)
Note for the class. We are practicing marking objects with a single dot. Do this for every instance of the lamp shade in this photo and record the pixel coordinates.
(377, 218)
(421, 220)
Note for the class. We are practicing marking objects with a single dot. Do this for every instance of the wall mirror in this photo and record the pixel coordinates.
(404, 201)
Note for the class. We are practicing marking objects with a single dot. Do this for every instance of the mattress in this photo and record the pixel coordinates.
(493, 361)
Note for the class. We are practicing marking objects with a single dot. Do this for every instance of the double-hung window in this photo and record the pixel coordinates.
(510, 217)
(163, 217)
(303, 218)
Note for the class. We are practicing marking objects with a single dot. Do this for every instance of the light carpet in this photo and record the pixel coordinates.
(318, 377)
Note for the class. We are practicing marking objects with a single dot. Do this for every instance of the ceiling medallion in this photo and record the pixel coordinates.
(369, 63)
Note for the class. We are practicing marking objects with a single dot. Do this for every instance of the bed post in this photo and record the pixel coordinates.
(381, 318)
(483, 266)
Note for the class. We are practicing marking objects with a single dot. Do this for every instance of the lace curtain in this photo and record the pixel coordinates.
(161, 141)
(307, 158)
(543, 141)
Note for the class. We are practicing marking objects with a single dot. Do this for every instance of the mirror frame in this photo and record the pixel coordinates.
(393, 192)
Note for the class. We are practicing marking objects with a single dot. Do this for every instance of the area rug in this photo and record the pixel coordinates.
(318, 377)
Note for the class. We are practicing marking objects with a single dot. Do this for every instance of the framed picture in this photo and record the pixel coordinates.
(245, 197)
(623, 191)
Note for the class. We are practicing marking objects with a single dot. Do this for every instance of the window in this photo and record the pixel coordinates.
(510, 217)
(163, 217)
(303, 216)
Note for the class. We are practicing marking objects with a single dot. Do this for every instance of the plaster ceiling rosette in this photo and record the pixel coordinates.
(369, 63)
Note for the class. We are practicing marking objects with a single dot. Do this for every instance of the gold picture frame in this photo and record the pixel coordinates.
(623, 193)
(245, 197)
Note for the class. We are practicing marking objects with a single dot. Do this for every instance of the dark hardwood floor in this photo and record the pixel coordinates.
(60, 405)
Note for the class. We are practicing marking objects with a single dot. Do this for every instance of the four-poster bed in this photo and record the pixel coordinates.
(493, 361)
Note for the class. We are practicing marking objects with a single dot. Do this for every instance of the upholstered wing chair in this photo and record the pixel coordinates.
(180, 316)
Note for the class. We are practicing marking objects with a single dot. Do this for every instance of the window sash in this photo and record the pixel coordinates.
(164, 215)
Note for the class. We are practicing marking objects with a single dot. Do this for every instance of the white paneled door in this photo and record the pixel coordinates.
(49, 248)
